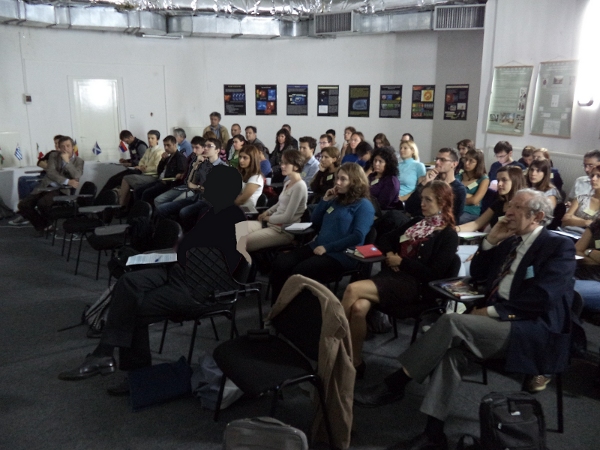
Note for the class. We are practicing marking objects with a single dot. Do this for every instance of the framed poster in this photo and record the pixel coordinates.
(554, 96)
(422, 102)
(359, 101)
(456, 102)
(235, 99)
(390, 101)
(508, 101)
(328, 100)
(297, 99)
(266, 99)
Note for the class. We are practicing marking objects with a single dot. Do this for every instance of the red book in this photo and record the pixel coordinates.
(367, 251)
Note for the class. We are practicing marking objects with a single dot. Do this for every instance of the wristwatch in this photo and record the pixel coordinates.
(588, 252)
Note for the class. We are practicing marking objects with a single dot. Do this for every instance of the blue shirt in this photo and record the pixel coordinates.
(341, 227)
(472, 189)
(309, 170)
(185, 147)
(409, 173)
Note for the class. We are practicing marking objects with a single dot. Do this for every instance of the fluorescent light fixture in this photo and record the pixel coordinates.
(588, 74)
(162, 36)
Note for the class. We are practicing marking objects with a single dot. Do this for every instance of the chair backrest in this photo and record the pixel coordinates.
(300, 322)
(109, 197)
(454, 267)
(207, 274)
(261, 201)
(139, 209)
(558, 213)
(88, 188)
(371, 236)
(166, 234)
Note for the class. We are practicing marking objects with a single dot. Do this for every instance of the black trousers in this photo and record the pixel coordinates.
(43, 201)
(115, 180)
(139, 299)
(303, 261)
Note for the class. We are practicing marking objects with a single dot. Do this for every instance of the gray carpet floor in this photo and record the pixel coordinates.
(39, 294)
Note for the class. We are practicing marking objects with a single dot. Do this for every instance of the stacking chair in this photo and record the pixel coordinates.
(269, 363)
(214, 289)
(69, 209)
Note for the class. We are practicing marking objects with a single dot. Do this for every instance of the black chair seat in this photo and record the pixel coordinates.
(106, 242)
(267, 363)
(81, 224)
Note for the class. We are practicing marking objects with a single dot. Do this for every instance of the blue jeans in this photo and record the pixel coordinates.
(467, 217)
(25, 185)
(590, 292)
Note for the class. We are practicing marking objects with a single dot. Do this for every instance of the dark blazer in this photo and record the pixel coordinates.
(173, 165)
(539, 306)
(434, 258)
(57, 172)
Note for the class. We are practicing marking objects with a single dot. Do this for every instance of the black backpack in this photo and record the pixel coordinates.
(508, 421)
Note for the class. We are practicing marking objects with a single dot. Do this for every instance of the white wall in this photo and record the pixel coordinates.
(526, 33)
(178, 83)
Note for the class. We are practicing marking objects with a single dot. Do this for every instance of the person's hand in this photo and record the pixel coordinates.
(430, 176)
(469, 195)
(393, 261)
(263, 217)
(141, 167)
(480, 311)
(502, 230)
(73, 183)
(330, 194)
(179, 176)
(567, 216)
(320, 250)
(64, 156)
(192, 185)
(165, 155)
(321, 168)
(122, 161)
(126, 163)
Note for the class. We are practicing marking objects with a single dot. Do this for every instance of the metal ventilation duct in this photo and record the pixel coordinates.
(459, 17)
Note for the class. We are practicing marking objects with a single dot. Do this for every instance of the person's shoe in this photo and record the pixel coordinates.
(422, 442)
(92, 365)
(119, 389)
(377, 396)
(538, 383)
(19, 220)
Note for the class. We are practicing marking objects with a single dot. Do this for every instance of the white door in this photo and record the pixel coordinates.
(95, 114)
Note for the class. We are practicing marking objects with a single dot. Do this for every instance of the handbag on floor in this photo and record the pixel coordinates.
(263, 433)
(512, 420)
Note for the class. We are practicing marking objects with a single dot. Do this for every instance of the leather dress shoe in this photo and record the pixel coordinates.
(119, 389)
(422, 442)
(92, 365)
(377, 396)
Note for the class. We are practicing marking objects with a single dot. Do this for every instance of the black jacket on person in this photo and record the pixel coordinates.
(173, 165)
(136, 150)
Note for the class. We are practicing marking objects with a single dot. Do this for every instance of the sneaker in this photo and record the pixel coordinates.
(19, 220)
(538, 383)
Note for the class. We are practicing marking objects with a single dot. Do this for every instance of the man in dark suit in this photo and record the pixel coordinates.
(62, 174)
(525, 317)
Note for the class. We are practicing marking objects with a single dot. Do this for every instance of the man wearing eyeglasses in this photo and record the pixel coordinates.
(445, 163)
(582, 184)
(503, 152)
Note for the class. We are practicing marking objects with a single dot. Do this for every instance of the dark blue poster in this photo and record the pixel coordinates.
(266, 99)
(235, 99)
(297, 99)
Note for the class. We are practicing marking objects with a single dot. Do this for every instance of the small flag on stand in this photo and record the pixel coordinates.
(96, 150)
(123, 147)
(75, 148)
(18, 153)
(40, 155)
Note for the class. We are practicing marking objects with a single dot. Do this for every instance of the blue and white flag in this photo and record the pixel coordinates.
(96, 150)
(18, 153)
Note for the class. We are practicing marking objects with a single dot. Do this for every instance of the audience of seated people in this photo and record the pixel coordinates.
(417, 253)
(476, 183)
(410, 169)
(510, 181)
(343, 219)
(539, 178)
(383, 180)
(324, 179)
(269, 229)
(345, 184)
(145, 172)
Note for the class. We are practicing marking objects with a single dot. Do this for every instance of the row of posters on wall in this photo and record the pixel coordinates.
(359, 100)
(552, 105)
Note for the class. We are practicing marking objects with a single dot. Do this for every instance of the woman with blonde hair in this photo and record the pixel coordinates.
(410, 169)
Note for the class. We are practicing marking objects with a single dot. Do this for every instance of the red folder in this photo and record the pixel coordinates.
(367, 251)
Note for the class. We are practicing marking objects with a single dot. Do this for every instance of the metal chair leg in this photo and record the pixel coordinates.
(319, 385)
(415, 329)
(162, 339)
(54, 225)
(62, 253)
(274, 402)
(70, 245)
(559, 403)
(219, 398)
(196, 323)
(97, 264)
(78, 255)
(214, 329)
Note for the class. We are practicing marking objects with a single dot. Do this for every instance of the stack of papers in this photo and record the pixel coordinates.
(151, 258)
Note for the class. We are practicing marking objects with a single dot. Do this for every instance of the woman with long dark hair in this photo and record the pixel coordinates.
(475, 181)
(417, 253)
(252, 178)
(383, 180)
(539, 178)
(234, 154)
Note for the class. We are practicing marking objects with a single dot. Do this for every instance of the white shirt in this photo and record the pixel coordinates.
(582, 186)
(505, 284)
(260, 181)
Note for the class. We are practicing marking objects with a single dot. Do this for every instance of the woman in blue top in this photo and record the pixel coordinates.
(476, 182)
(410, 169)
(343, 218)
(351, 155)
